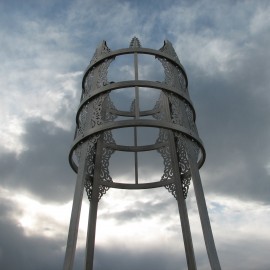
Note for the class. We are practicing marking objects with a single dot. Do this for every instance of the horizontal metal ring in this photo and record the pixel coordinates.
(137, 186)
(141, 148)
(113, 54)
(132, 114)
(136, 123)
(133, 83)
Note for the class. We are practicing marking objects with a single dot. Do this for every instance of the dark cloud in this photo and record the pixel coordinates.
(43, 168)
(140, 258)
(234, 250)
(232, 117)
(128, 256)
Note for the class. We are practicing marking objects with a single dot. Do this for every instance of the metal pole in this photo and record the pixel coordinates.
(182, 208)
(206, 226)
(190, 256)
(92, 220)
(91, 232)
(76, 210)
(136, 114)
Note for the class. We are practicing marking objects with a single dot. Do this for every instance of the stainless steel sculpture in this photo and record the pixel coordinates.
(177, 142)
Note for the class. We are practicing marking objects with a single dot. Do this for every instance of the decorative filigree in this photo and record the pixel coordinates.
(163, 136)
(132, 106)
(109, 116)
(102, 70)
(192, 148)
(97, 77)
(190, 117)
(160, 114)
(79, 147)
(173, 75)
(104, 171)
(105, 156)
(101, 50)
(168, 49)
(83, 119)
(183, 163)
(88, 83)
(188, 151)
(181, 80)
(106, 150)
(91, 114)
(165, 153)
(90, 165)
(167, 161)
(177, 109)
(168, 170)
(135, 43)
(90, 154)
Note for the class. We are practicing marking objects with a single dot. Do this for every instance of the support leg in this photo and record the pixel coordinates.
(206, 226)
(91, 231)
(75, 213)
(185, 227)
(191, 262)
(92, 219)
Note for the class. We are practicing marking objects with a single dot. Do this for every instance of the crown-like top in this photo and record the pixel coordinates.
(135, 43)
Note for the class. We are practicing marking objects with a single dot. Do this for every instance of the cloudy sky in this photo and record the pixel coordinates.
(45, 47)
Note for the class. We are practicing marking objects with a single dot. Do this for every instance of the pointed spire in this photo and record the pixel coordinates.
(168, 48)
(102, 49)
(135, 43)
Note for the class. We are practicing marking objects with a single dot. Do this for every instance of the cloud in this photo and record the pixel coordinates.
(233, 123)
(226, 63)
(17, 250)
(240, 228)
(224, 48)
(35, 85)
(43, 168)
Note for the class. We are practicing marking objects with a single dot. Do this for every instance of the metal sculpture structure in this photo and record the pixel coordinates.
(178, 143)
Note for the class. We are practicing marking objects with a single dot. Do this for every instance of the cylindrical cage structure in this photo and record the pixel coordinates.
(172, 115)
(139, 111)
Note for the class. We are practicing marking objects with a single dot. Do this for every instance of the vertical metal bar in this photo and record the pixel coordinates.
(206, 226)
(136, 156)
(75, 213)
(137, 114)
(92, 219)
(91, 231)
(182, 208)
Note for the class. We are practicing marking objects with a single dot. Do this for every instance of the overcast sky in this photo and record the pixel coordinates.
(44, 48)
